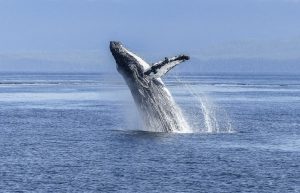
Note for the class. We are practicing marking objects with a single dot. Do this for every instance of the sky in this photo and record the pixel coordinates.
(74, 35)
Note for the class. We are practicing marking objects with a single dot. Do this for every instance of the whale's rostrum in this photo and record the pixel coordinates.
(153, 100)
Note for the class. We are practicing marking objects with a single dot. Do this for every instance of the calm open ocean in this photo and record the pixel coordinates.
(81, 133)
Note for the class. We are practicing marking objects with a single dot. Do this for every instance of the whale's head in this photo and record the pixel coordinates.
(128, 64)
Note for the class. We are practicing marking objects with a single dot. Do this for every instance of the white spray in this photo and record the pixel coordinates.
(208, 110)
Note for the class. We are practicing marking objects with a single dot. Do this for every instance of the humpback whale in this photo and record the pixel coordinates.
(153, 100)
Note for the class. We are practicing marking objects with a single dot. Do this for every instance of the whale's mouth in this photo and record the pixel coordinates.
(115, 45)
(116, 48)
(120, 54)
(126, 60)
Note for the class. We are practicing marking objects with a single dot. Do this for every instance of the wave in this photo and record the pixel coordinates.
(49, 83)
(174, 83)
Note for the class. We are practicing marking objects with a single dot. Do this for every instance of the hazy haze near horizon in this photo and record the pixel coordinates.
(221, 36)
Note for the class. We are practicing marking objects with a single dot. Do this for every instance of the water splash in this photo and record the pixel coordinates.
(207, 116)
(202, 115)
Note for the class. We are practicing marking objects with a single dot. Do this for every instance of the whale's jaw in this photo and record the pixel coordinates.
(125, 59)
(117, 49)
(121, 55)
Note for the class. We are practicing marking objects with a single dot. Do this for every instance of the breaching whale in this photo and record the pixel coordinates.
(153, 100)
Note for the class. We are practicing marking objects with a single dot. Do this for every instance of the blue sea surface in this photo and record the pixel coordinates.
(81, 133)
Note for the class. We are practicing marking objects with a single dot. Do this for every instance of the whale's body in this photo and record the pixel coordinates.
(153, 100)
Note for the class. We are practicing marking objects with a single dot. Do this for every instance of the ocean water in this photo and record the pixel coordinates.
(81, 133)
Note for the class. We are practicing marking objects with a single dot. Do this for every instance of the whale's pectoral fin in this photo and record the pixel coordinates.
(160, 68)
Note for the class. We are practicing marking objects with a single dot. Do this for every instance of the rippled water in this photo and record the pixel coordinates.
(81, 133)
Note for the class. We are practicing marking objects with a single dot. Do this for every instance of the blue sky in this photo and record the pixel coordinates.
(62, 35)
